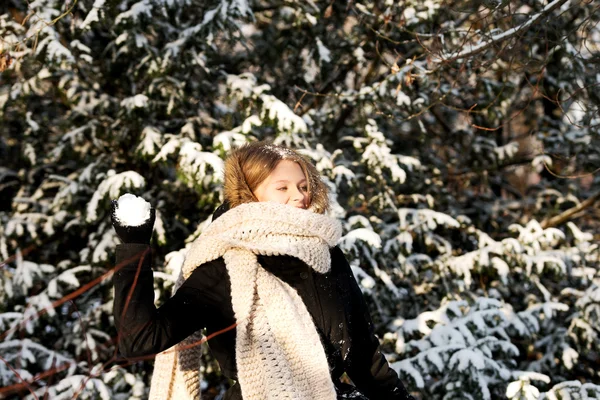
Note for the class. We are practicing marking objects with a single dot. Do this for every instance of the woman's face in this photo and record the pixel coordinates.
(286, 185)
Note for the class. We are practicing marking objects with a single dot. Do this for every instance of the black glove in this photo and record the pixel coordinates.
(133, 234)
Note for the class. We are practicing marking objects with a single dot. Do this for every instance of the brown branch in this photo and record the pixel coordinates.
(18, 376)
(71, 295)
(566, 215)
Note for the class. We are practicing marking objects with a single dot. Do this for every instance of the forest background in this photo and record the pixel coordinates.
(460, 140)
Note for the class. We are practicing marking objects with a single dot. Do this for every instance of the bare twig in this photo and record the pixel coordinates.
(36, 34)
(495, 39)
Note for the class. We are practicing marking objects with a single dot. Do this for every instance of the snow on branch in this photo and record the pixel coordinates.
(572, 390)
(495, 39)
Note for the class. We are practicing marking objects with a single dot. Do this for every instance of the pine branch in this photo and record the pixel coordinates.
(565, 216)
(447, 57)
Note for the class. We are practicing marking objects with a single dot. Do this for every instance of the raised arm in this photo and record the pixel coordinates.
(144, 329)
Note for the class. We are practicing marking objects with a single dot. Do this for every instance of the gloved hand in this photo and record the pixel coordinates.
(133, 234)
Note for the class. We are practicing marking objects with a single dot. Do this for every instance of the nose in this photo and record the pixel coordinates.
(299, 197)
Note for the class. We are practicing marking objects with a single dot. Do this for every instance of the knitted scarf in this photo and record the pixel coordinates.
(278, 351)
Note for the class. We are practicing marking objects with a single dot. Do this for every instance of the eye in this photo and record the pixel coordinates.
(304, 188)
(283, 188)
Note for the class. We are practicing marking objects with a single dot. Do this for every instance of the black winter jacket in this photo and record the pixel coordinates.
(334, 301)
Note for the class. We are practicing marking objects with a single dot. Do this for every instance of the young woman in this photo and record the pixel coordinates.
(268, 267)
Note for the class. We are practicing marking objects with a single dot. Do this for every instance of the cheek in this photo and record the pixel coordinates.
(283, 197)
(278, 196)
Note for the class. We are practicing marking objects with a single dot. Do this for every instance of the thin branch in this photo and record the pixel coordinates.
(565, 216)
(44, 23)
(71, 295)
(23, 382)
(495, 39)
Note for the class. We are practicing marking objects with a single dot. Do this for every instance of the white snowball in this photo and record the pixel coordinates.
(132, 210)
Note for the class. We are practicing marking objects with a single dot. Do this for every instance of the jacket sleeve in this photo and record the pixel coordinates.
(142, 328)
(366, 365)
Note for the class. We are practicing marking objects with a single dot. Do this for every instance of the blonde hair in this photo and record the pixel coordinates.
(252, 163)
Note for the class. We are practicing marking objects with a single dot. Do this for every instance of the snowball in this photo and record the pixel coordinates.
(132, 210)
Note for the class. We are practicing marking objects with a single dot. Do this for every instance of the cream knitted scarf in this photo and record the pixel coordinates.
(278, 351)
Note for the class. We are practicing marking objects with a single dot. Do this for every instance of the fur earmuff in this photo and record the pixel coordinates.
(236, 188)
